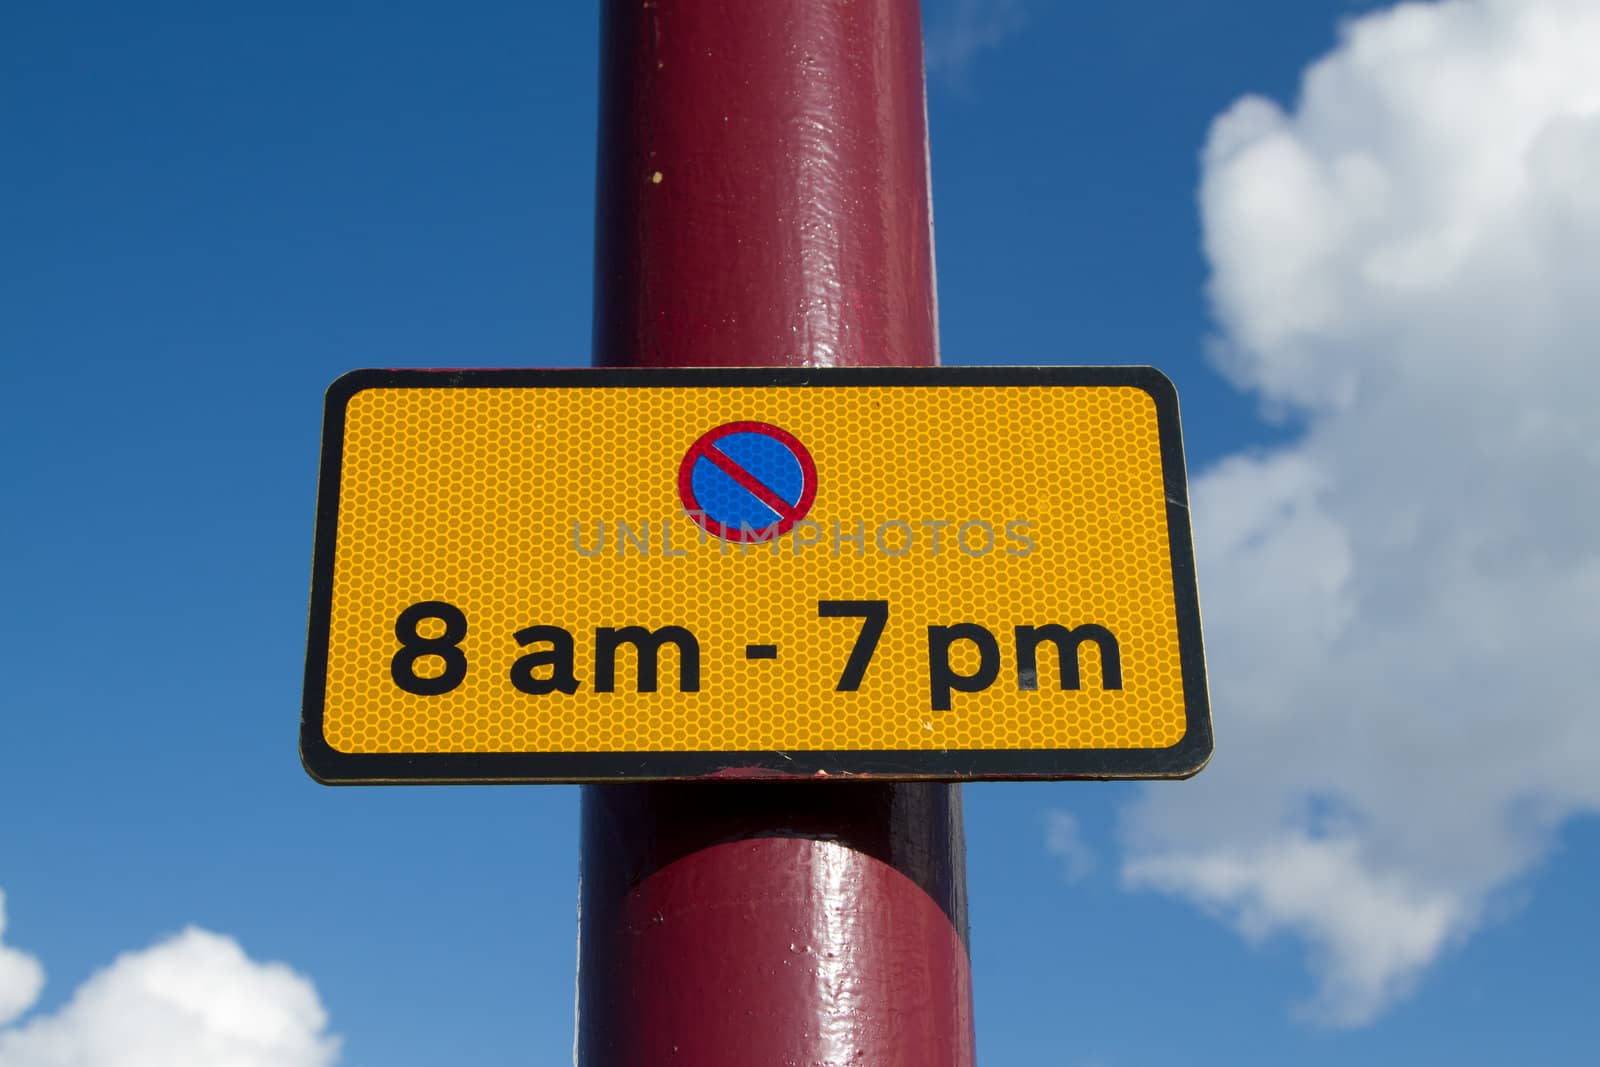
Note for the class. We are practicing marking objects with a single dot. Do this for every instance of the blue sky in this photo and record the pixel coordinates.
(1372, 288)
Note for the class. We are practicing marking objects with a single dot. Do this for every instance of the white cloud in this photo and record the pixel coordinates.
(1374, 929)
(21, 977)
(960, 30)
(1064, 839)
(194, 1000)
(1402, 609)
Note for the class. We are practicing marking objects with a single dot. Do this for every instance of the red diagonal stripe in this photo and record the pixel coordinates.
(748, 482)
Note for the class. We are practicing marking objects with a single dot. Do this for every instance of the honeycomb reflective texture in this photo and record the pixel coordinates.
(483, 497)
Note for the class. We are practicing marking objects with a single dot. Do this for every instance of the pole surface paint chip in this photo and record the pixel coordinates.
(597, 575)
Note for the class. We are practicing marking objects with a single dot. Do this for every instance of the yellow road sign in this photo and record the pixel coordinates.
(593, 575)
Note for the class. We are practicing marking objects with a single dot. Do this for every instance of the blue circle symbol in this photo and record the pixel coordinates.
(747, 481)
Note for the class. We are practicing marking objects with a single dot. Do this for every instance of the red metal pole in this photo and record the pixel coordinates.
(763, 199)
(763, 185)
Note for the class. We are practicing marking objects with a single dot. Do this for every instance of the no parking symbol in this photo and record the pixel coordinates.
(747, 482)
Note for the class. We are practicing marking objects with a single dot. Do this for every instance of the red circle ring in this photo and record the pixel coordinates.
(786, 519)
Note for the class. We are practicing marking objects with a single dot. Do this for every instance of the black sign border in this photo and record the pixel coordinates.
(1182, 760)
